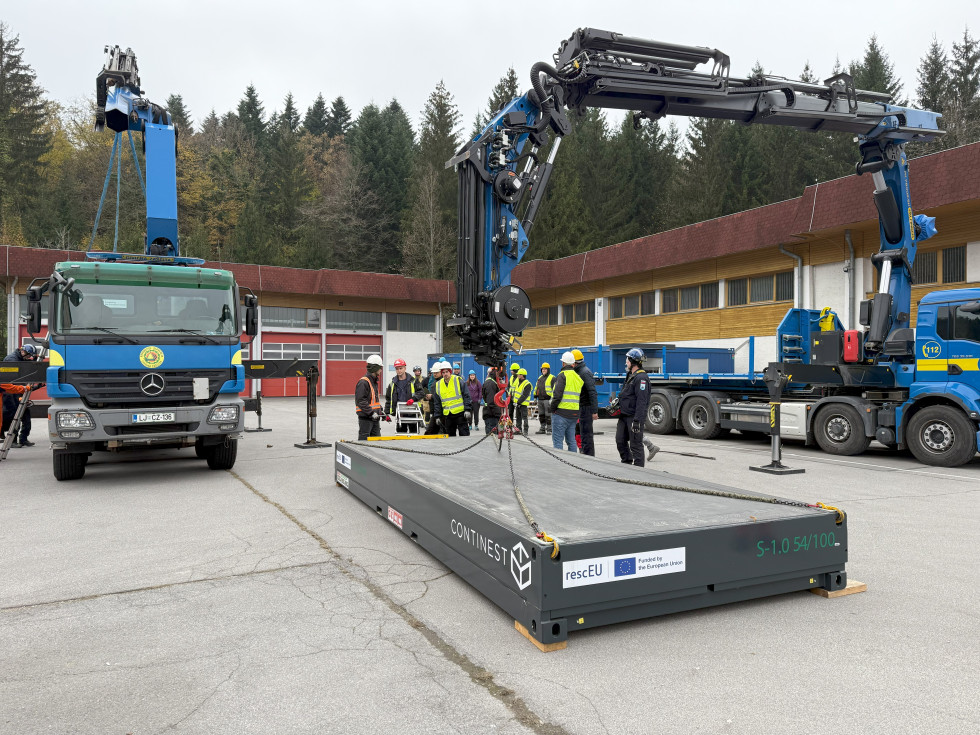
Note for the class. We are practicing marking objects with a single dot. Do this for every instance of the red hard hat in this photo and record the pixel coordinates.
(400, 363)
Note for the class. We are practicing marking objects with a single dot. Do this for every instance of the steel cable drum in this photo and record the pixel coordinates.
(511, 309)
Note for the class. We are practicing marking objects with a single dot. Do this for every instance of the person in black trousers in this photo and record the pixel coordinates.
(589, 410)
(491, 411)
(634, 399)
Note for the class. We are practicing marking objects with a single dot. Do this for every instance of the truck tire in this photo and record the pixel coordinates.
(222, 456)
(839, 429)
(941, 436)
(698, 418)
(68, 466)
(660, 419)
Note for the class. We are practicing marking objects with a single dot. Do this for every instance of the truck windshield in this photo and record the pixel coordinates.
(143, 310)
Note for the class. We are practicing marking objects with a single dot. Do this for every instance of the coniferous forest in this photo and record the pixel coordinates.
(329, 187)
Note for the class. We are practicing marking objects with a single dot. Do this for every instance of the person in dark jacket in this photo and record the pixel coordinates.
(401, 389)
(367, 400)
(475, 388)
(12, 393)
(491, 411)
(634, 399)
(589, 410)
(542, 394)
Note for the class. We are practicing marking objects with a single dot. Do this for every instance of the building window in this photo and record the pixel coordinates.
(546, 317)
(925, 269)
(412, 322)
(578, 313)
(954, 264)
(631, 305)
(648, 303)
(290, 351)
(354, 353)
(689, 298)
(284, 316)
(760, 289)
(354, 320)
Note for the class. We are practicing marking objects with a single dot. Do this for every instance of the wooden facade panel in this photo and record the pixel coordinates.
(689, 325)
(635, 283)
(576, 335)
(756, 262)
(539, 337)
(639, 329)
(702, 271)
(760, 321)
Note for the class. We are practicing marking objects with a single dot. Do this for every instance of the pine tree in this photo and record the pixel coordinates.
(875, 73)
(963, 113)
(23, 137)
(503, 92)
(289, 115)
(439, 141)
(180, 114)
(932, 91)
(251, 114)
(340, 120)
(317, 117)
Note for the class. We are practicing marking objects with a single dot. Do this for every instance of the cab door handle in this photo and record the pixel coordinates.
(953, 369)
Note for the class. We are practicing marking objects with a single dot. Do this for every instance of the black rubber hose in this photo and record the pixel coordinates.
(536, 71)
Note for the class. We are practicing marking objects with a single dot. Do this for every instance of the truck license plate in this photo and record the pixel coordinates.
(154, 418)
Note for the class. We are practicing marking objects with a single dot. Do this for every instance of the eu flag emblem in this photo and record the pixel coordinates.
(624, 567)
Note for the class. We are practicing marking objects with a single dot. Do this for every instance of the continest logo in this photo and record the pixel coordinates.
(932, 349)
(520, 566)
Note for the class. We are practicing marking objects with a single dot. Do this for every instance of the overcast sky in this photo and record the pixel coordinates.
(210, 50)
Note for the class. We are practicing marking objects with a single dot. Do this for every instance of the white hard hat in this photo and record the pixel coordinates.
(568, 358)
(374, 360)
(445, 365)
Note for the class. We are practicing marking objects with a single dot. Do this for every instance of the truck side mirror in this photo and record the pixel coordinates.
(251, 315)
(971, 307)
(33, 311)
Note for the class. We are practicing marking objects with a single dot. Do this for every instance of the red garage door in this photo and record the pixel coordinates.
(346, 354)
(277, 346)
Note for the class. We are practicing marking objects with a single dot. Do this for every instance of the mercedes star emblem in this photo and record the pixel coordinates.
(152, 384)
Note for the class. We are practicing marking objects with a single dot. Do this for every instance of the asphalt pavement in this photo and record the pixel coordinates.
(157, 596)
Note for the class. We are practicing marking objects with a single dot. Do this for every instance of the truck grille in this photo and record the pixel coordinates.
(121, 388)
(141, 429)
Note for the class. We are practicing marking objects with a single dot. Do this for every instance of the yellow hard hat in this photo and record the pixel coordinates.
(577, 354)
(545, 365)
(515, 366)
(522, 371)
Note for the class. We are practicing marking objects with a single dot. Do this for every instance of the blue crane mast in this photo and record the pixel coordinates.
(502, 177)
(122, 107)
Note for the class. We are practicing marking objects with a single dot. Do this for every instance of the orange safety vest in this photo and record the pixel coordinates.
(375, 406)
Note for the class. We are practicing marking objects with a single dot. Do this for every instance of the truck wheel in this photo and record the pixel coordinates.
(222, 456)
(838, 429)
(68, 466)
(698, 419)
(942, 436)
(660, 420)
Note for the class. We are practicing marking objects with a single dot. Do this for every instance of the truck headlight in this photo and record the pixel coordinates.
(75, 420)
(223, 414)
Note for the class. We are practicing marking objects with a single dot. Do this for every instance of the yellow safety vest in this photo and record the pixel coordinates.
(512, 381)
(451, 395)
(549, 385)
(516, 391)
(572, 394)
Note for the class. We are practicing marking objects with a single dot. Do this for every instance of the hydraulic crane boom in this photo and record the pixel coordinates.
(121, 107)
(502, 179)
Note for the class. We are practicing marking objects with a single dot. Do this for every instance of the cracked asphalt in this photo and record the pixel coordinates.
(156, 596)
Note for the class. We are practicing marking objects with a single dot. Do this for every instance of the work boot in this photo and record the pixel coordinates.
(652, 449)
(542, 430)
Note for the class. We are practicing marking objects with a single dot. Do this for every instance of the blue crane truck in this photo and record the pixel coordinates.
(925, 398)
(903, 389)
(144, 349)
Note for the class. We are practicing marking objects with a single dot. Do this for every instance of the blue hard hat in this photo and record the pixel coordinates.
(472, 372)
(30, 349)
(636, 354)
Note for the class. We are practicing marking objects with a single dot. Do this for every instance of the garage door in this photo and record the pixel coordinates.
(346, 355)
(306, 347)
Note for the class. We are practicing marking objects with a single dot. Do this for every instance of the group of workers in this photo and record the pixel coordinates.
(567, 402)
